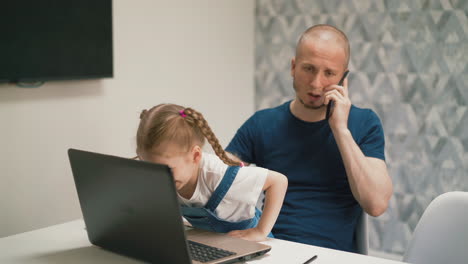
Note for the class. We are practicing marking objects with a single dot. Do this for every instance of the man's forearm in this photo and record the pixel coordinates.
(368, 177)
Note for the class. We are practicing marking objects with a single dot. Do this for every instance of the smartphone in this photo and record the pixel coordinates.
(330, 104)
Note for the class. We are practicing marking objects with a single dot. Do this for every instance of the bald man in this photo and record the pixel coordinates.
(335, 167)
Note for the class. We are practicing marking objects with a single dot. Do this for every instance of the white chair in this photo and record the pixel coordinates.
(441, 235)
(362, 237)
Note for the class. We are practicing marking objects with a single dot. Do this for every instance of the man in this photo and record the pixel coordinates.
(335, 167)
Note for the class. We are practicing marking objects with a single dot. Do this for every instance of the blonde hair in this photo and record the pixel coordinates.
(182, 126)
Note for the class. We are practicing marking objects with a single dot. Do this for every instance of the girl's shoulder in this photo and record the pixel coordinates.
(212, 170)
(211, 162)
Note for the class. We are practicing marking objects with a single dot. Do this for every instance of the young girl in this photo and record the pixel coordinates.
(216, 192)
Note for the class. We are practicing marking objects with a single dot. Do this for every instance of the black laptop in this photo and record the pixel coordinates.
(130, 207)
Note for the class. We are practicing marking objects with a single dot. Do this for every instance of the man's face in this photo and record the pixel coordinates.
(317, 65)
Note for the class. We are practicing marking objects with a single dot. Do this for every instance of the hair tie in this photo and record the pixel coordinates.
(182, 113)
(242, 164)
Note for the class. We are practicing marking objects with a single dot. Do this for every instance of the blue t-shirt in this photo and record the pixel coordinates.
(319, 208)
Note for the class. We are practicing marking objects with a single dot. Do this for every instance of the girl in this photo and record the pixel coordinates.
(216, 192)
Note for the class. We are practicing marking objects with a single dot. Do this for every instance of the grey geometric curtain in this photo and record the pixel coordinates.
(409, 64)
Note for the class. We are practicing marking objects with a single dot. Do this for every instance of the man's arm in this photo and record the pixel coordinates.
(241, 147)
(368, 177)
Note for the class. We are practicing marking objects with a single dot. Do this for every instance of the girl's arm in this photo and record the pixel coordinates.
(275, 190)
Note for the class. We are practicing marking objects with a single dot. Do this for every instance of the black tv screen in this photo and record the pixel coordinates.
(44, 40)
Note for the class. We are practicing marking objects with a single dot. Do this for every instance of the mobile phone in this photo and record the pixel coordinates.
(330, 104)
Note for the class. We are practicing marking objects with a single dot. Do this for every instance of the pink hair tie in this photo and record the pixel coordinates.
(242, 164)
(182, 113)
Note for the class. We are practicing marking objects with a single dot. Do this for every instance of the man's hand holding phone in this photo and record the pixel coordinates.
(338, 104)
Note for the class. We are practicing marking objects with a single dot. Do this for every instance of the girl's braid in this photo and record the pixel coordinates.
(201, 123)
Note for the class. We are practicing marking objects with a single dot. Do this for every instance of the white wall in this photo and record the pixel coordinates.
(195, 53)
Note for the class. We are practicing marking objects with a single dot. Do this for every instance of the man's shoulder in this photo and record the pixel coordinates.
(362, 114)
(272, 112)
(363, 121)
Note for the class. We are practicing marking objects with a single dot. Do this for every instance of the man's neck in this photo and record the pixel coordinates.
(307, 114)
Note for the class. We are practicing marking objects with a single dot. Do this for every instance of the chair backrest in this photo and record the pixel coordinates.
(362, 237)
(441, 234)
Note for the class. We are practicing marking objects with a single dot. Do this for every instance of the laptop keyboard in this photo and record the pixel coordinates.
(205, 253)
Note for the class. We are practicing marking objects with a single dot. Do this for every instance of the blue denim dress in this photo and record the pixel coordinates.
(206, 218)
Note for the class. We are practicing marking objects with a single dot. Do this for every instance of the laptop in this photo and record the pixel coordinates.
(130, 207)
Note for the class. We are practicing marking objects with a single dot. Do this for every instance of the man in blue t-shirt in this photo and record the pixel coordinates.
(335, 167)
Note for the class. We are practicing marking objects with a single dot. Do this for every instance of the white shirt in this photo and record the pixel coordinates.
(240, 200)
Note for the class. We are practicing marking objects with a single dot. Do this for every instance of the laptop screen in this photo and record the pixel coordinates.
(130, 207)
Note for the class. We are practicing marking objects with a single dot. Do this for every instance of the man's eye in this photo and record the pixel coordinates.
(329, 73)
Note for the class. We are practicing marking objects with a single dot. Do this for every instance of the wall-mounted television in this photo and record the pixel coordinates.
(43, 40)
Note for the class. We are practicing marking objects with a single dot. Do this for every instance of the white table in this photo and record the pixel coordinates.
(68, 243)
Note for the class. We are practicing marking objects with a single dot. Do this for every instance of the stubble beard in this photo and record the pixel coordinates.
(302, 101)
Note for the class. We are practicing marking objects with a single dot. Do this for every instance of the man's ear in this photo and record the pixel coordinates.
(293, 66)
(197, 154)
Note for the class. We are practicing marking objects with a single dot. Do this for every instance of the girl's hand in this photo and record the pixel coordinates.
(251, 234)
